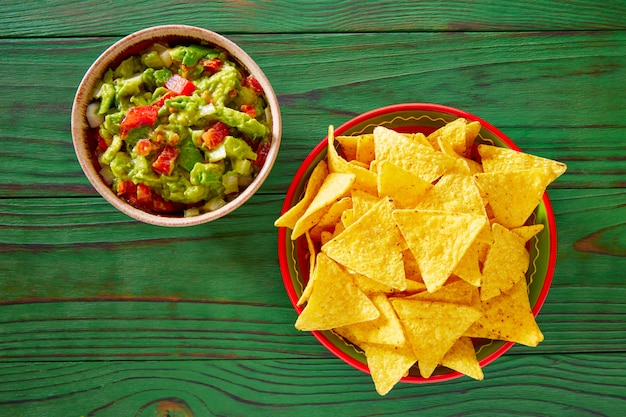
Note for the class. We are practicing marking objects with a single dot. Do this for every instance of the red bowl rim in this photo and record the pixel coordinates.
(300, 173)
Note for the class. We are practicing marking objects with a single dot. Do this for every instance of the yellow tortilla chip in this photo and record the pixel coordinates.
(458, 292)
(388, 364)
(514, 195)
(432, 328)
(455, 193)
(453, 133)
(438, 240)
(508, 317)
(528, 232)
(468, 268)
(494, 158)
(506, 263)
(291, 216)
(306, 292)
(365, 149)
(406, 189)
(384, 330)
(334, 187)
(364, 179)
(332, 283)
(472, 130)
(331, 217)
(362, 202)
(405, 153)
(371, 246)
(462, 358)
(348, 146)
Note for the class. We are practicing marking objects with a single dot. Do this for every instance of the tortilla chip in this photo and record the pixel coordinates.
(388, 364)
(468, 268)
(438, 240)
(528, 232)
(334, 187)
(384, 330)
(514, 195)
(365, 179)
(348, 145)
(291, 216)
(331, 217)
(332, 283)
(508, 317)
(362, 202)
(432, 328)
(506, 263)
(312, 258)
(455, 193)
(454, 133)
(405, 153)
(472, 130)
(365, 152)
(462, 358)
(406, 189)
(458, 292)
(371, 246)
(494, 158)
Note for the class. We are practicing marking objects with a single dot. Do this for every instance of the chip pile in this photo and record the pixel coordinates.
(418, 244)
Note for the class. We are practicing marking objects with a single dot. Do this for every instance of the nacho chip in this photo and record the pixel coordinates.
(364, 179)
(405, 153)
(362, 202)
(462, 358)
(432, 328)
(365, 149)
(468, 268)
(503, 159)
(514, 195)
(348, 145)
(458, 292)
(508, 317)
(291, 216)
(384, 330)
(406, 189)
(372, 246)
(438, 240)
(334, 187)
(528, 232)
(388, 364)
(506, 263)
(332, 283)
(455, 193)
(453, 133)
(472, 130)
(306, 292)
(331, 217)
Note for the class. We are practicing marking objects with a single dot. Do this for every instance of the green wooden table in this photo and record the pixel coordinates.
(103, 316)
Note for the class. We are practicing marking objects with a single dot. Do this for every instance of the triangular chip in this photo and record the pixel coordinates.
(291, 216)
(331, 217)
(306, 292)
(527, 232)
(362, 202)
(458, 292)
(348, 145)
(462, 358)
(332, 283)
(468, 268)
(405, 153)
(506, 262)
(372, 246)
(438, 240)
(364, 179)
(432, 328)
(384, 330)
(453, 133)
(365, 151)
(455, 192)
(388, 364)
(405, 188)
(334, 187)
(504, 159)
(508, 317)
(472, 130)
(513, 195)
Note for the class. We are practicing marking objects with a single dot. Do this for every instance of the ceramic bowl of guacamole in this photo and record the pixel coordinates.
(176, 125)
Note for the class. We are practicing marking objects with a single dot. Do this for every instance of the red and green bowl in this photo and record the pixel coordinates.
(413, 118)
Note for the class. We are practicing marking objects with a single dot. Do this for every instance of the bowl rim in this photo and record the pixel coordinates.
(301, 172)
(127, 46)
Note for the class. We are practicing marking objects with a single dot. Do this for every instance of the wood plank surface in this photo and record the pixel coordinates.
(101, 315)
(60, 18)
(546, 385)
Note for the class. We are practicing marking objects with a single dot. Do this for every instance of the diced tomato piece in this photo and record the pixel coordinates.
(261, 153)
(249, 109)
(211, 65)
(164, 163)
(144, 195)
(161, 101)
(180, 85)
(215, 135)
(144, 147)
(160, 205)
(137, 117)
(253, 83)
(126, 188)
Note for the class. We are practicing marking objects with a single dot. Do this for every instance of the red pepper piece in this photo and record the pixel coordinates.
(215, 135)
(252, 82)
(144, 195)
(180, 85)
(261, 153)
(164, 163)
(137, 117)
(249, 110)
(211, 65)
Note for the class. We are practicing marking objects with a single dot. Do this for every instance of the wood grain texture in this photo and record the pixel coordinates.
(58, 18)
(553, 93)
(528, 385)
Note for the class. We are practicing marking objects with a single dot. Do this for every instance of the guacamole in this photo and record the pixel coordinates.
(179, 129)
